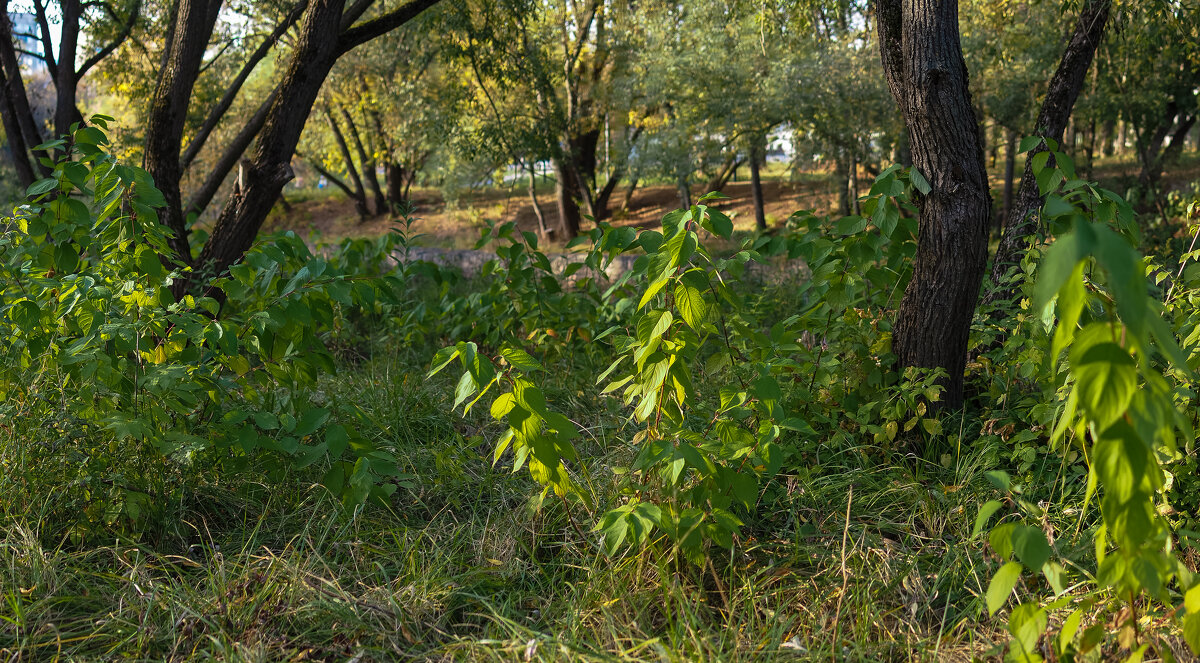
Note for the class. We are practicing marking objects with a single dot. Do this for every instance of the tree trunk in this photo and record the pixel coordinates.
(629, 194)
(1061, 94)
(65, 111)
(368, 165)
(853, 184)
(756, 155)
(313, 56)
(569, 219)
(842, 176)
(168, 112)
(537, 207)
(1010, 165)
(684, 189)
(360, 195)
(19, 124)
(923, 62)
(393, 175)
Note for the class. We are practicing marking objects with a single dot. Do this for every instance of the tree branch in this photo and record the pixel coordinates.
(227, 99)
(126, 30)
(360, 34)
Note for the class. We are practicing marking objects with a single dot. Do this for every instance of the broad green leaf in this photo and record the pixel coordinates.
(1031, 547)
(1002, 585)
(520, 359)
(1106, 378)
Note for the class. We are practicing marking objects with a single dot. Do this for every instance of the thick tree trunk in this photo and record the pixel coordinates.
(65, 79)
(168, 112)
(1061, 94)
(923, 62)
(314, 55)
(756, 155)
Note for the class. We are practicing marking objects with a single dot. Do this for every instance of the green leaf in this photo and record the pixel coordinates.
(1002, 585)
(1106, 379)
(692, 305)
(310, 421)
(25, 314)
(520, 359)
(919, 182)
(985, 513)
(1028, 143)
(465, 389)
(41, 186)
(1031, 546)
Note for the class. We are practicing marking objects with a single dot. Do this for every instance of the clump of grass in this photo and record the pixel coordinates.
(846, 561)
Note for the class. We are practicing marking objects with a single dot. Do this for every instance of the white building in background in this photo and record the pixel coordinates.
(24, 29)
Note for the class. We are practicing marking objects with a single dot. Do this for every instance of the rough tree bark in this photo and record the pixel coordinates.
(1061, 94)
(194, 21)
(923, 63)
(569, 218)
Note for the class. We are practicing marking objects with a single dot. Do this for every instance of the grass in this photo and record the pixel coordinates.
(463, 567)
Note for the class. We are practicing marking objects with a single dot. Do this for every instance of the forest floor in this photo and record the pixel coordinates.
(456, 224)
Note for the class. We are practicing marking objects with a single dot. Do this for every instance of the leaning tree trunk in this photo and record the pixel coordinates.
(270, 168)
(923, 63)
(1064, 89)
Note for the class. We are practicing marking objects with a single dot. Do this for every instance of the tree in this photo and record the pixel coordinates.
(327, 31)
(924, 67)
(107, 25)
(1060, 98)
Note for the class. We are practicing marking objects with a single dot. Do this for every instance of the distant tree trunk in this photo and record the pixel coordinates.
(368, 164)
(360, 194)
(1064, 88)
(629, 194)
(923, 62)
(842, 169)
(1010, 165)
(756, 192)
(684, 189)
(19, 125)
(853, 183)
(537, 207)
(569, 218)
(393, 175)
(1153, 155)
(727, 169)
(1108, 137)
